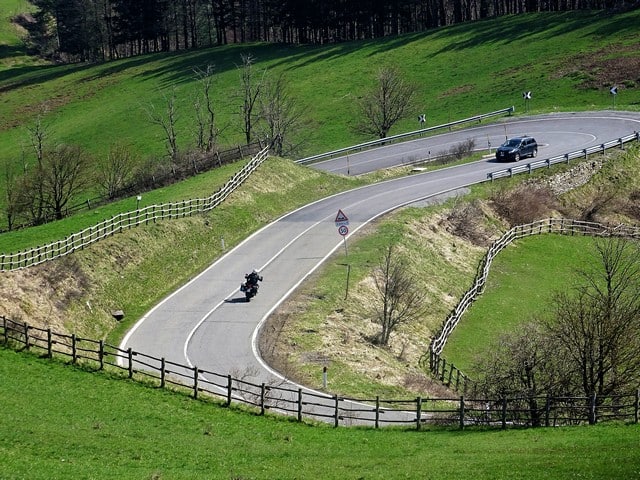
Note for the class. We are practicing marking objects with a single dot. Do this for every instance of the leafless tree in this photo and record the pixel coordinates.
(208, 131)
(116, 172)
(251, 87)
(598, 326)
(280, 115)
(387, 103)
(38, 134)
(62, 174)
(522, 364)
(400, 299)
(167, 121)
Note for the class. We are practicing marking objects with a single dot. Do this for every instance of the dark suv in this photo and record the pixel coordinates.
(517, 148)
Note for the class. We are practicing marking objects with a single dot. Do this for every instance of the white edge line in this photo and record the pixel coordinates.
(254, 337)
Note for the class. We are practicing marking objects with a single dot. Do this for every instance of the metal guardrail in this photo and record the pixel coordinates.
(584, 153)
(386, 140)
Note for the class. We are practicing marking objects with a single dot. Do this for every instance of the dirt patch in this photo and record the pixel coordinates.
(598, 70)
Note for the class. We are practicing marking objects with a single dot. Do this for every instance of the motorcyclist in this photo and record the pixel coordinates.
(253, 278)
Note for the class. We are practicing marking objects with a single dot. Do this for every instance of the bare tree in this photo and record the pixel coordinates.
(38, 134)
(167, 121)
(598, 327)
(387, 103)
(116, 172)
(61, 175)
(280, 115)
(208, 131)
(251, 86)
(522, 364)
(400, 299)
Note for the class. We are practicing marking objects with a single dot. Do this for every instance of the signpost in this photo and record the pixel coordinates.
(614, 92)
(342, 222)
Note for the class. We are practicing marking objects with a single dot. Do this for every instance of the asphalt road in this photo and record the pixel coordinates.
(207, 323)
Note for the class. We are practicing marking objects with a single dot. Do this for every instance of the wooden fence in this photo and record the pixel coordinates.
(123, 221)
(305, 404)
(448, 373)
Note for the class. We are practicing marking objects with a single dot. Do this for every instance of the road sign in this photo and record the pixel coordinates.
(526, 95)
(343, 230)
(341, 219)
(614, 90)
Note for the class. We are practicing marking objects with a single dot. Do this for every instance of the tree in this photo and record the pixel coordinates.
(387, 103)
(251, 85)
(167, 122)
(115, 173)
(208, 131)
(400, 299)
(61, 175)
(598, 327)
(280, 116)
(522, 364)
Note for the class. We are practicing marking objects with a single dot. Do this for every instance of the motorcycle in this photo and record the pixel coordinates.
(250, 286)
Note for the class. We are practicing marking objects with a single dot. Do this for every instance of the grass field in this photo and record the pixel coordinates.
(568, 60)
(89, 426)
(73, 424)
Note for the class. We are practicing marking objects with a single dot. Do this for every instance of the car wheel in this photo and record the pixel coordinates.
(516, 157)
(535, 153)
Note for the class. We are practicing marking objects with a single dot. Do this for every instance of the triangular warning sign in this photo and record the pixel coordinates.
(341, 217)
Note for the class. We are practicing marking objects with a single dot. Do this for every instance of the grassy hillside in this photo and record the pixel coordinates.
(568, 60)
(88, 426)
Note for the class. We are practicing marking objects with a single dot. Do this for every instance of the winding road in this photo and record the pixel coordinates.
(207, 323)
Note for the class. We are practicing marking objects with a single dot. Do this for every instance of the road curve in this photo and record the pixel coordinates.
(207, 324)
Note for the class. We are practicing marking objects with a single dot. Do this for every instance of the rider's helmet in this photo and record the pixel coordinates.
(254, 271)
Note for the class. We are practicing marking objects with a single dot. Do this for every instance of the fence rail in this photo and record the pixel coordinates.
(318, 406)
(565, 158)
(447, 372)
(127, 220)
(402, 136)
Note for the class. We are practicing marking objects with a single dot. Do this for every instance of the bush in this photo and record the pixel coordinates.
(524, 204)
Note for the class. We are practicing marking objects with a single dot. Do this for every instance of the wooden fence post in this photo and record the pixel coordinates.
(461, 412)
(101, 355)
(504, 413)
(49, 344)
(377, 421)
(636, 412)
(195, 382)
(335, 415)
(163, 372)
(547, 411)
(299, 404)
(229, 389)
(418, 413)
(592, 410)
(74, 354)
(26, 336)
(4, 328)
(262, 395)
(130, 357)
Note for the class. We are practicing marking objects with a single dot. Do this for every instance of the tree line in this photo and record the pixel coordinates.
(101, 30)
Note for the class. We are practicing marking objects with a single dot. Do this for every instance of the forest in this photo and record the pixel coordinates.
(71, 31)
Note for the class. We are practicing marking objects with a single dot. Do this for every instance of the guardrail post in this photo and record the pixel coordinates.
(585, 153)
(461, 412)
(418, 413)
(510, 170)
(336, 411)
(229, 389)
(603, 148)
(163, 372)
(566, 157)
(262, 395)
(377, 421)
(299, 404)
(621, 143)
